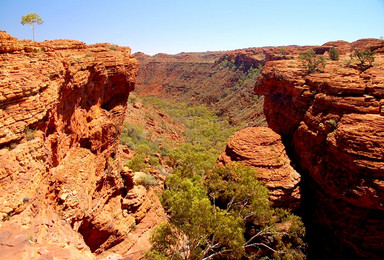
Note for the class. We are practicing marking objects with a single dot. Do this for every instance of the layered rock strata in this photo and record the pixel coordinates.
(63, 192)
(332, 123)
(262, 149)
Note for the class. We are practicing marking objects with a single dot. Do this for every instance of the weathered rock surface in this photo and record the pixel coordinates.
(62, 188)
(332, 124)
(262, 149)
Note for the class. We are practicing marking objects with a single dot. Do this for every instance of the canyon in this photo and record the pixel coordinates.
(330, 122)
(66, 194)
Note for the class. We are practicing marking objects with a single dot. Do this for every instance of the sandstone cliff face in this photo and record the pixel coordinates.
(333, 126)
(63, 192)
(262, 149)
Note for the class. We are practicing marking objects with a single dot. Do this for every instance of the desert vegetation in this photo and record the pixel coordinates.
(311, 61)
(333, 54)
(214, 212)
(365, 57)
(32, 19)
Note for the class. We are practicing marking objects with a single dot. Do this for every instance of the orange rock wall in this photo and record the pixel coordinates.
(332, 123)
(63, 191)
(262, 149)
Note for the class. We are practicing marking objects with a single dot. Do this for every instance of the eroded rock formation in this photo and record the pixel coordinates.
(63, 192)
(262, 149)
(332, 123)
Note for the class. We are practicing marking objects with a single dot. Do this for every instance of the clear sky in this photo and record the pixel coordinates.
(173, 26)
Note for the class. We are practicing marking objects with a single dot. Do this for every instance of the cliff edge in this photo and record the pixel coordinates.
(63, 192)
(332, 124)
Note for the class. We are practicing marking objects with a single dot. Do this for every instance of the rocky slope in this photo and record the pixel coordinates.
(154, 121)
(332, 124)
(211, 78)
(262, 149)
(63, 192)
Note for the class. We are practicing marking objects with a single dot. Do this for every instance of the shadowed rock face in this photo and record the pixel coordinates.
(262, 149)
(332, 124)
(62, 106)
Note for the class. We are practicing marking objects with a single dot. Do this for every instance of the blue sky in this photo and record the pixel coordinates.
(197, 25)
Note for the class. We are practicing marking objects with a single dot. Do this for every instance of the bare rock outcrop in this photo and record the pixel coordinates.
(332, 123)
(62, 107)
(262, 149)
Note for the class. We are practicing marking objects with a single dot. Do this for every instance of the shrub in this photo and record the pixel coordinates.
(154, 160)
(312, 61)
(112, 47)
(135, 138)
(333, 123)
(333, 54)
(365, 57)
(30, 133)
(142, 148)
(78, 59)
(146, 180)
(137, 163)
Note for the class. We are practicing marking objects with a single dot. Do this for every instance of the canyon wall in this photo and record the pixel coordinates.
(63, 192)
(332, 124)
(221, 80)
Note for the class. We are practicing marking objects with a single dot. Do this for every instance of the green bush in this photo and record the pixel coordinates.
(143, 148)
(137, 163)
(153, 161)
(112, 47)
(311, 61)
(333, 54)
(135, 138)
(333, 123)
(365, 57)
(146, 180)
(208, 218)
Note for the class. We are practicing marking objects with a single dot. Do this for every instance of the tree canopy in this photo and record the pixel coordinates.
(225, 214)
(31, 19)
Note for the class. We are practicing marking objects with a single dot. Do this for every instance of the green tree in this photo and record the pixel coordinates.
(31, 19)
(333, 54)
(225, 215)
(312, 61)
(365, 57)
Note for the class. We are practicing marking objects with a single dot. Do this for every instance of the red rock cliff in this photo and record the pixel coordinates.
(63, 193)
(262, 149)
(333, 126)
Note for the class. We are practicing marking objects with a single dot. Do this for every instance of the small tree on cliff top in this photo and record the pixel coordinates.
(365, 57)
(312, 61)
(31, 19)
